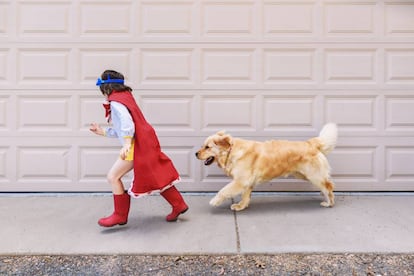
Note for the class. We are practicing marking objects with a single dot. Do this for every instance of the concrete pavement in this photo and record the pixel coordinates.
(274, 223)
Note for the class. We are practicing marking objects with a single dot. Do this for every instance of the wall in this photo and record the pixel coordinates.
(259, 69)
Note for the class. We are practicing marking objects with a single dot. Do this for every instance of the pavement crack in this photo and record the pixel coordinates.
(236, 229)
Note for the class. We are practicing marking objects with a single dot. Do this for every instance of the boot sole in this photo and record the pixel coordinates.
(182, 212)
(108, 226)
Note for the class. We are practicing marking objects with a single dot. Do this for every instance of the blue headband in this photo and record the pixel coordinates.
(109, 80)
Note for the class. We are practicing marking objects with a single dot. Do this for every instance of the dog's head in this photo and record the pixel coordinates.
(214, 148)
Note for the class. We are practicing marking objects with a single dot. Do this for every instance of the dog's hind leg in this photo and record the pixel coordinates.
(244, 202)
(326, 187)
(327, 191)
(229, 191)
(318, 173)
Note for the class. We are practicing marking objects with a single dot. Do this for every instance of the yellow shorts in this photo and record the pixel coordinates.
(130, 156)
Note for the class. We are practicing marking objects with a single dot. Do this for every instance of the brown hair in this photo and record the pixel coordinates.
(107, 88)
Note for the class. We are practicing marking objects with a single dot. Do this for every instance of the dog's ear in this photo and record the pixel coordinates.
(221, 132)
(224, 141)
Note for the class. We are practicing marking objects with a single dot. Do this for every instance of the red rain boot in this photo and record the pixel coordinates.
(173, 196)
(120, 215)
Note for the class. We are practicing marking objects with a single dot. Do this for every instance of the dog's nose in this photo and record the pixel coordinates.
(196, 154)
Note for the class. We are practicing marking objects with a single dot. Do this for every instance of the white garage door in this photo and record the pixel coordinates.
(259, 69)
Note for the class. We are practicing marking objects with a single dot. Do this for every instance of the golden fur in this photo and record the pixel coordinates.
(250, 163)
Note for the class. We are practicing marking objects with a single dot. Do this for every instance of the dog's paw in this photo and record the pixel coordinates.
(237, 207)
(326, 204)
(215, 201)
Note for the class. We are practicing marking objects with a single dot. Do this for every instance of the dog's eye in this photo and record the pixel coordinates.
(206, 147)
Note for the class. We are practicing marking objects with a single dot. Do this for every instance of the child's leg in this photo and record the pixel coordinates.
(173, 196)
(121, 211)
(115, 174)
(121, 199)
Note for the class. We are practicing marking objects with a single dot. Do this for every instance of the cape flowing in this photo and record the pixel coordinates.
(153, 170)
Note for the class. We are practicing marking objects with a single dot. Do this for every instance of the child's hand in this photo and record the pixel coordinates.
(95, 128)
(125, 150)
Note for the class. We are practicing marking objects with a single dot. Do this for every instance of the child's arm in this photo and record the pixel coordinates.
(95, 128)
(108, 132)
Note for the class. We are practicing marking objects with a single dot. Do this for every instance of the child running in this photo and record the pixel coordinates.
(153, 170)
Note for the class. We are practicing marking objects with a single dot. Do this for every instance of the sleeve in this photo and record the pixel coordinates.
(126, 125)
(110, 132)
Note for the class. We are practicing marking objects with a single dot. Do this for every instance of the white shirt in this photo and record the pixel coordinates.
(122, 123)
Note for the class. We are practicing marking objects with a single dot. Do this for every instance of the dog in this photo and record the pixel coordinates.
(250, 163)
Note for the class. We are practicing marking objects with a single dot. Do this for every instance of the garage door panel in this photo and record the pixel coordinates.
(43, 113)
(230, 113)
(176, 116)
(399, 66)
(287, 65)
(400, 163)
(170, 18)
(93, 61)
(399, 114)
(46, 163)
(353, 113)
(94, 19)
(228, 66)
(215, 18)
(354, 162)
(44, 66)
(350, 66)
(166, 66)
(350, 19)
(399, 21)
(301, 19)
(287, 114)
(52, 19)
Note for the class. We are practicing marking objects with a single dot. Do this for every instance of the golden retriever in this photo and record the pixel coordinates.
(250, 163)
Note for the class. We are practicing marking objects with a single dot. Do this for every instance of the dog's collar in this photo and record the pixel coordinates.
(227, 157)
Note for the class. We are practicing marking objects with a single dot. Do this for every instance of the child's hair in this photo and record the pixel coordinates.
(107, 88)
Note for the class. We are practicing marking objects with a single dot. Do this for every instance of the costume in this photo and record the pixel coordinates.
(153, 170)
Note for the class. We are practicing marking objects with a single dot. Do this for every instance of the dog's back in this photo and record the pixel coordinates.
(270, 159)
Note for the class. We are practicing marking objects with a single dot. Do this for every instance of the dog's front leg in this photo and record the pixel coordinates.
(245, 200)
(230, 190)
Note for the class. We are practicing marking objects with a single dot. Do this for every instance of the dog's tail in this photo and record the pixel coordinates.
(328, 137)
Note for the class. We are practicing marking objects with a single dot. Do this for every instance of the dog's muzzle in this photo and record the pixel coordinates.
(208, 161)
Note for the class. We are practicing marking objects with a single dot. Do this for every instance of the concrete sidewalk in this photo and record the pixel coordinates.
(274, 223)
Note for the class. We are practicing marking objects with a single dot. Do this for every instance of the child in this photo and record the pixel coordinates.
(153, 170)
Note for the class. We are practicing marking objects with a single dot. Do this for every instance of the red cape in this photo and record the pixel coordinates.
(153, 170)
